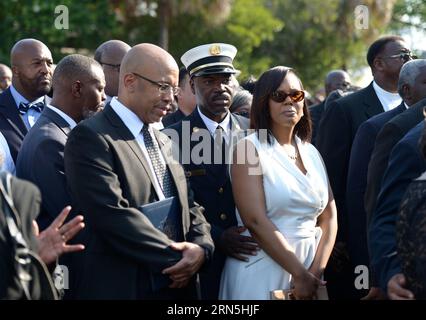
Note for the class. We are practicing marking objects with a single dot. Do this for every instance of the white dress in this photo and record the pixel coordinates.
(293, 203)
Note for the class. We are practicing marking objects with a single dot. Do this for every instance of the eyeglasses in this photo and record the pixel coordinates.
(162, 87)
(114, 66)
(295, 96)
(404, 56)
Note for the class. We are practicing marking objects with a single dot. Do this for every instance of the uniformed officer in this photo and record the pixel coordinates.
(206, 138)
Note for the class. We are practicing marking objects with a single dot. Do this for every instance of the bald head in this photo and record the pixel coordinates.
(31, 63)
(5, 77)
(110, 54)
(148, 78)
(337, 79)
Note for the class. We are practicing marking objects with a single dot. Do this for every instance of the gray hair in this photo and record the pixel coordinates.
(409, 72)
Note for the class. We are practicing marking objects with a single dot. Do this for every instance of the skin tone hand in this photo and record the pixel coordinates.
(235, 245)
(374, 293)
(396, 290)
(306, 285)
(52, 242)
(192, 260)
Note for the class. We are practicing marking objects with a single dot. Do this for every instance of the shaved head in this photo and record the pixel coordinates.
(148, 76)
(5, 77)
(32, 70)
(110, 54)
(337, 79)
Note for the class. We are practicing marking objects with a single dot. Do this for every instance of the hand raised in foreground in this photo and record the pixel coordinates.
(52, 242)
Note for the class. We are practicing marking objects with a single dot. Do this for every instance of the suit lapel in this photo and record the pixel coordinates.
(374, 106)
(10, 111)
(57, 119)
(128, 138)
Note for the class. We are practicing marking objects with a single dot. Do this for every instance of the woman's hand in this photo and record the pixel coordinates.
(306, 285)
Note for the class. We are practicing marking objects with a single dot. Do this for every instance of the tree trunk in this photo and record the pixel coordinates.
(164, 12)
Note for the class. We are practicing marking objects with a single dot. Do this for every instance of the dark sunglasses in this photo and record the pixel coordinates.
(295, 96)
(404, 56)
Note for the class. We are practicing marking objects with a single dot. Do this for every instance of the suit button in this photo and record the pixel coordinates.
(220, 190)
(223, 216)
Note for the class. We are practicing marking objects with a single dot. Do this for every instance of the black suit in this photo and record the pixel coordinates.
(316, 112)
(11, 124)
(41, 161)
(406, 163)
(357, 179)
(27, 200)
(337, 130)
(213, 190)
(109, 178)
(173, 118)
(388, 137)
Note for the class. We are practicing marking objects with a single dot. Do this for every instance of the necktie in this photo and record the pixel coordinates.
(220, 146)
(161, 171)
(24, 107)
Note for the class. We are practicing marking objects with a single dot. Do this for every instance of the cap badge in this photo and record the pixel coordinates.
(214, 49)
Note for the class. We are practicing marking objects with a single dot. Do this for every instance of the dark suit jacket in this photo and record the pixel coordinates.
(337, 130)
(388, 137)
(27, 200)
(212, 189)
(316, 112)
(11, 124)
(405, 164)
(172, 118)
(357, 180)
(109, 178)
(41, 161)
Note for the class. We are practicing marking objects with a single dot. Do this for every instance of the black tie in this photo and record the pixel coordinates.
(161, 170)
(220, 145)
(24, 107)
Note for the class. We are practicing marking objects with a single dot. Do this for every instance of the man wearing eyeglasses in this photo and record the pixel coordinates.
(110, 54)
(115, 163)
(210, 68)
(336, 133)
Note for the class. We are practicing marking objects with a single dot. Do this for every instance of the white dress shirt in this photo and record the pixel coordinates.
(32, 115)
(135, 125)
(212, 125)
(6, 162)
(64, 116)
(388, 100)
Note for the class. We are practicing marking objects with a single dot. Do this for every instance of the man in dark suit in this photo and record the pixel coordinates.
(21, 104)
(185, 100)
(394, 130)
(362, 149)
(113, 165)
(210, 68)
(336, 79)
(78, 85)
(337, 131)
(406, 163)
(5, 77)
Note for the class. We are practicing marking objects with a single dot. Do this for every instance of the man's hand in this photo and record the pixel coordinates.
(191, 262)
(396, 290)
(52, 242)
(235, 245)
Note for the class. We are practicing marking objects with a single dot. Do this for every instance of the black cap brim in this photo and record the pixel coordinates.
(214, 70)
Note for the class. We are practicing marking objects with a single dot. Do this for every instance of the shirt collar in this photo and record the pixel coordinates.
(380, 91)
(66, 117)
(129, 118)
(212, 125)
(19, 98)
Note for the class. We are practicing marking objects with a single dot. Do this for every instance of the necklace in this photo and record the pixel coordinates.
(294, 156)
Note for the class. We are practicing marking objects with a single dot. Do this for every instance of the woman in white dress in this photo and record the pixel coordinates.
(282, 195)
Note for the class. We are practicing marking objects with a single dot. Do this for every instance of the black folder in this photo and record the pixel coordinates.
(166, 216)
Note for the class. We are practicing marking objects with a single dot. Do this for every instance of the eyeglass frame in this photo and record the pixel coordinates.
(115, 66)
(285, 95)
(162, 86)
(401, 56)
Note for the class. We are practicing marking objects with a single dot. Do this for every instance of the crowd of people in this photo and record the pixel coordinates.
(192, 185)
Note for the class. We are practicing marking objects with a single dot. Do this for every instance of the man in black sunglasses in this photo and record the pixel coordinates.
(335, 137)
(109, 54)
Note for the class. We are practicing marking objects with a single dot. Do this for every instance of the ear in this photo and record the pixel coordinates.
(129, 82)
(15, 71)
(76, 89)
(378, 64)
(191, 83)
(406, 92)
